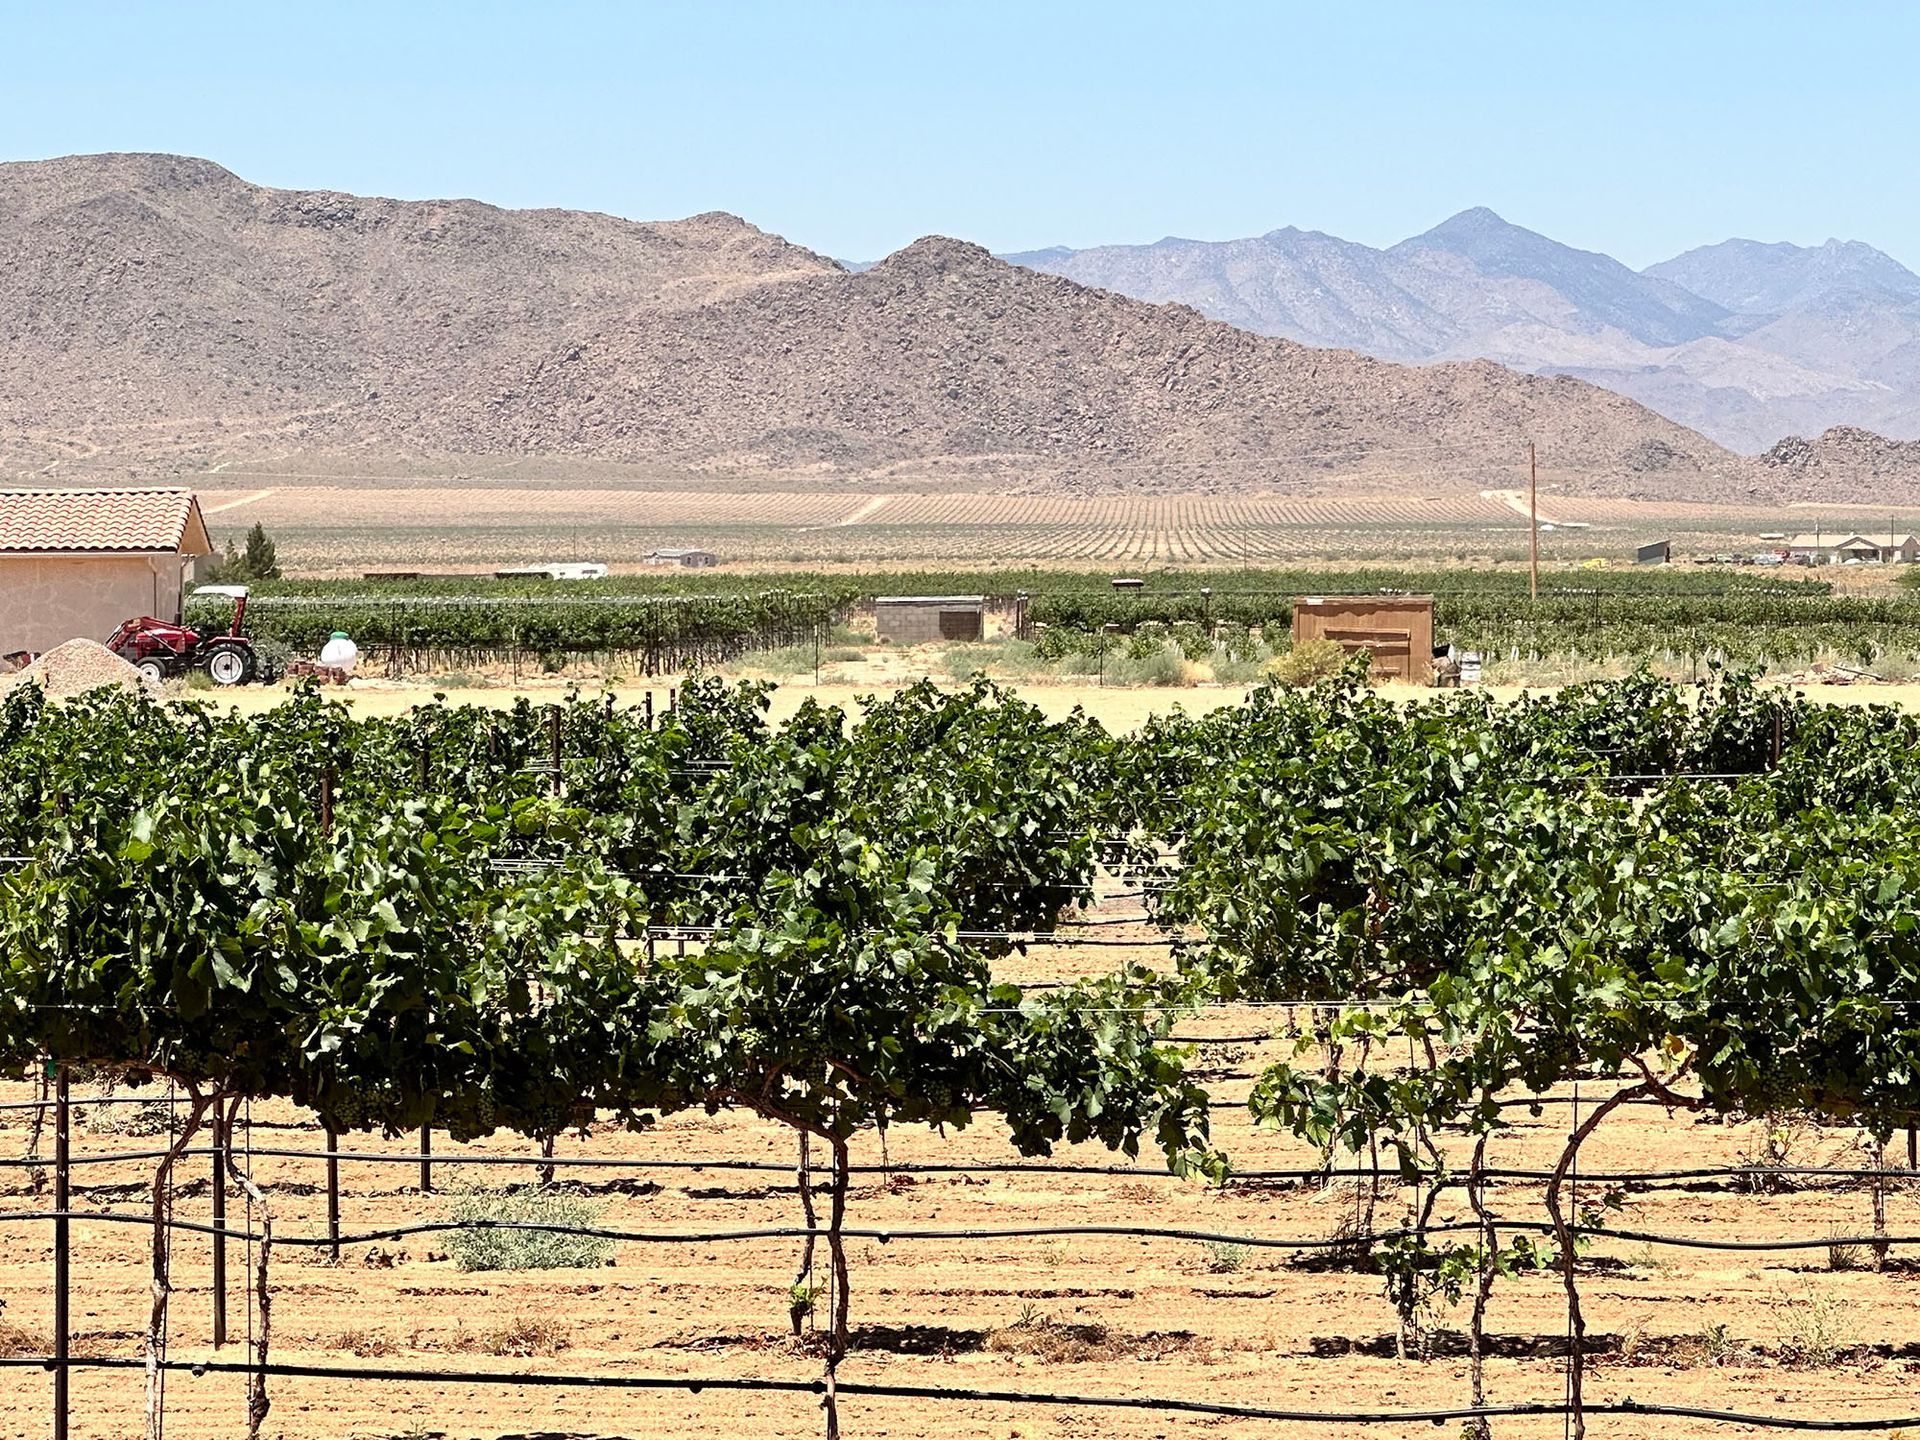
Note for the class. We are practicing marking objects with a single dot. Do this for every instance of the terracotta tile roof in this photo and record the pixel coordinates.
(42, 521)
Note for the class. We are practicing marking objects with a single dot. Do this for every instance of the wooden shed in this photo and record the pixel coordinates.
(1395, 630)
(919, 619)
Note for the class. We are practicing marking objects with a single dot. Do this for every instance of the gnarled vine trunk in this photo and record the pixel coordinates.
(37, 1172)
(1478, 1428)
(800, 1295)
(257, 1401)
(842, 1300)
(162, 1282)
(1563, 1234)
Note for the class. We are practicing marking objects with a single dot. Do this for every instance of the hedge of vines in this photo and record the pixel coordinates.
(1752, 622)
(406, 922)
(669, 632)
(1712, 891)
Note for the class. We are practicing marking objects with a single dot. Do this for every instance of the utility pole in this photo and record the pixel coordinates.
(1533, 518)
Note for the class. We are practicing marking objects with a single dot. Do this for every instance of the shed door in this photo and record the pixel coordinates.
(1391, 649)
(959, 625)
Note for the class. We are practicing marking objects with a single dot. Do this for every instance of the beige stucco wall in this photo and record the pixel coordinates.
(46, 599)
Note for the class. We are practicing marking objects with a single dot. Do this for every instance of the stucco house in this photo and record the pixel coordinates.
(1887, 546)
(78, 562)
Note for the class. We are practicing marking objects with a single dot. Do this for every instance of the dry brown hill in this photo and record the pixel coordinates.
(159, 313)
(1845, 464)
(153, 306)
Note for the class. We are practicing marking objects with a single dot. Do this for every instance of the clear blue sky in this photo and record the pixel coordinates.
(1636, 128)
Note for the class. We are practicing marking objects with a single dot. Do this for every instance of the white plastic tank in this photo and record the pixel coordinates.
(340, 652)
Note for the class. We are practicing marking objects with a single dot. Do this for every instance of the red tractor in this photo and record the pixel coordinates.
(160, 649)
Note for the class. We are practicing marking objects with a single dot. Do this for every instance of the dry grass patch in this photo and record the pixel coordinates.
(525, 1336)
(367, 1344)
(1038, 1337)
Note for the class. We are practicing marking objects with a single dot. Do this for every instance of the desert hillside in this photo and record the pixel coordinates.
(161, 315)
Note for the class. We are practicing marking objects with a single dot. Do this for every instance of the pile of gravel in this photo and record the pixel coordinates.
(77, 667)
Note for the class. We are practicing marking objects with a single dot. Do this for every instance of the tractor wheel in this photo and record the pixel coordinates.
(229, 665)
(153, 669)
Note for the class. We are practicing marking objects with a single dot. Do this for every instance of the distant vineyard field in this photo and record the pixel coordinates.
(341, 530)
(671, 619)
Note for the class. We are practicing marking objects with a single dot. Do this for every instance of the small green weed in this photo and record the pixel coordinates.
(1225, 1257)
(1811, 1329)
(484, 1248)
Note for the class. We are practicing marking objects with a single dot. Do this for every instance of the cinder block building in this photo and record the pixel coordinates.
(922, 619)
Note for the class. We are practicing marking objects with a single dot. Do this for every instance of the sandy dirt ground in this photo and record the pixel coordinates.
(1104, 1315)
(1118, 708)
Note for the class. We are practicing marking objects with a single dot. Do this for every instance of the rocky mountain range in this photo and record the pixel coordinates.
(1745, 342)
(159, 315)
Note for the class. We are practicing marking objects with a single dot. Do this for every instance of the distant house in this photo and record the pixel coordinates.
(1654, 552)
(1886, 546)
(78, 562)
(918, 619)
(687, 559)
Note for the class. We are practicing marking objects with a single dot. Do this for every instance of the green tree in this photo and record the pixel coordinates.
(259, 561)
(262, 559)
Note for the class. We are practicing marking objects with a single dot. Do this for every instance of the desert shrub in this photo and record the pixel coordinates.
(1717, 1345)
(1020, 658)
(1231, 669)
(1192, 638)
(491, 1249)
(1165, 665)
(1841, 1253)
(1308, 663)
(784, 660)
(1810, 1328)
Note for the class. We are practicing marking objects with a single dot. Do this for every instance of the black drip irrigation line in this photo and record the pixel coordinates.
(946, 1235)
(963, 1394)
(1889, 1174)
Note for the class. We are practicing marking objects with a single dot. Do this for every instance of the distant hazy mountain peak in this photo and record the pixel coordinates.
(1754, 277)
(1746, 340)
(1475, 220)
